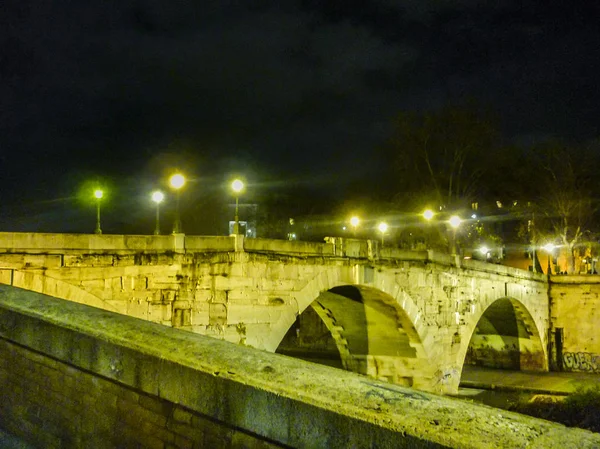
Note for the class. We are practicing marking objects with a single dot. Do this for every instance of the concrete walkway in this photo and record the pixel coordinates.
(560, 383)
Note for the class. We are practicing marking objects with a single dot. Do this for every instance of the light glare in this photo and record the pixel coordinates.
(354, 221)
(237, 185)
(383, 227)
(428, 214)
(455, 221)
(98, 194)
(157, 197)
(177, 181)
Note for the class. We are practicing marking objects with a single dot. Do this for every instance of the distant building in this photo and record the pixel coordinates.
(247, 219)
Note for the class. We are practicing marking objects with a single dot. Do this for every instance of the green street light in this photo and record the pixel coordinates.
(98, 194)
(383, 227)
(428, 214)
(177, 181)
(157, 197)
(237, 186)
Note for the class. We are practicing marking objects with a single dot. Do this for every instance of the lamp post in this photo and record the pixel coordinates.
(177, 181)
(354, 222)
(428, 216)
(98, 194)
(549, 247)
(383, 227)
(237, 186)
(157, 197)
(454, 223)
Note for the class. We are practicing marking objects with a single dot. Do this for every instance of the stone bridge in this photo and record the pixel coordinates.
(411, 318)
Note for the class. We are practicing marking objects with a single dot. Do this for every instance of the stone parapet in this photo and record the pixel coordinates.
(83, 377)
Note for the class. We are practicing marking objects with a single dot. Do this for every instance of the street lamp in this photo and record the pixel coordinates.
(428, 215)
(237, 186)
(177, 181)
(157, 197)
(354, 222)
(98, 194)
(549, 248)
(383, 227)
(485, 252)
(454, 223)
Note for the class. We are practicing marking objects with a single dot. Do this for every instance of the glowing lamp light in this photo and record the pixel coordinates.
(98, 194)
(354, 221)
(237, 186)
(158, 197)
(177, 181)
(428, 214)
(484, 250)
(455, 221)
(549, 247)
(383, 227)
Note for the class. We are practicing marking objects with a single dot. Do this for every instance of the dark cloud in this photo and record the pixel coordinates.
(300, 87)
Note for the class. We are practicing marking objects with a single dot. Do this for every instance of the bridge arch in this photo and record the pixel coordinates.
(56, 288)
(504, 335)
(367, 326)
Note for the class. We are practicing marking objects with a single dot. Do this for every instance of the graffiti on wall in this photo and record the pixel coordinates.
(446, 376)
(581, 361)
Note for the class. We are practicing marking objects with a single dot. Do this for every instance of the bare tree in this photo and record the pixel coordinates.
(566, 179)
(443, 155)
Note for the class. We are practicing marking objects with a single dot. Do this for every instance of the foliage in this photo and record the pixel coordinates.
(580, 409)
(477, 234)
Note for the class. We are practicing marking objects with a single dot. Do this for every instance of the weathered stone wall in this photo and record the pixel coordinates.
(53, 404)
(78, 376)
(412, 327)
(575, 308)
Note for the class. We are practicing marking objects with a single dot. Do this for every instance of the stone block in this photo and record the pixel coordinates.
(204, 283)
(41, 261)
(238, 313)
(159, 312)
(6, 276)
(219, 296)
(221, 283)
(155, 405)
(135, 415)
(192, 432)
(203, 295)
(200, 317)
(182, 416)
(217, 314)
(138, 309)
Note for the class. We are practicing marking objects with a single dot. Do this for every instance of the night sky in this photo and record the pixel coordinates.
(285, 93)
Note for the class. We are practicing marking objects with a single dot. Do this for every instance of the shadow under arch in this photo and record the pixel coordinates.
(360, 329)
(504, 336)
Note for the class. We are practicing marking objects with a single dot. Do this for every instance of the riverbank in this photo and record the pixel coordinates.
(572, 399)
